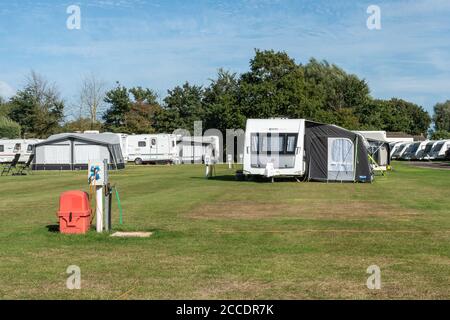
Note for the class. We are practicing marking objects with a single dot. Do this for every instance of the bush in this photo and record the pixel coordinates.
(9, 129)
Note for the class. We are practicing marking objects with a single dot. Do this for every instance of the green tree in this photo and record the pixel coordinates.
(220, 103)
(9, 129)
(120, 103)
(141, 118)
(135, 113)
(441, 117)
(440, 135)
(182, 106)
(38, 108)
(275, 86)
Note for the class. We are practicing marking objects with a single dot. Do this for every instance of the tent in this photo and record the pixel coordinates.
(379, 149)
(73, 151)
(333, 153)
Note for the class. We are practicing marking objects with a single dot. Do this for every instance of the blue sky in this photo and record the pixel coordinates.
(159, 44)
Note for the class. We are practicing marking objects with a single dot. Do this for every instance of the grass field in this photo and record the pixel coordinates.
(233, 240)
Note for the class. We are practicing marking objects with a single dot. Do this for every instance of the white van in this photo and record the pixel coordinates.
(151, 148)
(10, 147)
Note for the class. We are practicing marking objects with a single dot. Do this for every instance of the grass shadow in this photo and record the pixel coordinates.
(54, 228)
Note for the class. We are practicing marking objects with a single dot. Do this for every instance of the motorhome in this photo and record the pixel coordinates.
(439, 149)
(198, 149)
(302, 148)
(10, 147)
(151, 148)
(397, 154)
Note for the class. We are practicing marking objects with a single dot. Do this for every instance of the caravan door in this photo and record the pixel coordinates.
(341, 159)
(154, 147)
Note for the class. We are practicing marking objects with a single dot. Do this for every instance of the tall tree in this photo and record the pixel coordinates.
(182, 106)
(133, 113)
(221, 103)
(120, 103)
(91, 97)
(275, 86)
(143, 111)
(441, 117)
(38, 108)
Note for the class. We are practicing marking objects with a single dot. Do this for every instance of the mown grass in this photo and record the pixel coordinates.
(222, 238)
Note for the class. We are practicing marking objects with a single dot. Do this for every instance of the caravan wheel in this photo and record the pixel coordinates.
(138, 161)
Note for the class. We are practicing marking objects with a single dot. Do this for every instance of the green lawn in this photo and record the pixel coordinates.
(233, 240)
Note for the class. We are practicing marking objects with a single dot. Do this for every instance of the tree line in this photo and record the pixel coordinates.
(274, 86)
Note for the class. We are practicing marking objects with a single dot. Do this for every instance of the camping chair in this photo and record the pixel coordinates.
(7, 169)
(26, 167)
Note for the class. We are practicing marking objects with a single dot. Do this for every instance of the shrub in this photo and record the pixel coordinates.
(8, 128)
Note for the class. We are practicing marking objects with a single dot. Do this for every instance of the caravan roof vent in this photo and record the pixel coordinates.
(92, 131)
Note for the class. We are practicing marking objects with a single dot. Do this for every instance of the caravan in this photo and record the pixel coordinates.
(439, 149)
(9, 148)
(413, 151)
(398, 153)
(198, 149)
(151, 148)
(297, 147)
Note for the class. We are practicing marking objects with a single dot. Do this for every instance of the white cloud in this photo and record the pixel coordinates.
(6, 90)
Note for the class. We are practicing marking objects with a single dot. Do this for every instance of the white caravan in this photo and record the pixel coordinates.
(395, 146)
(274, 147)
(439, 149)
(151, 148)
(414, 150)
(198, 149)
(9, 149)
(424, 153)
(401, 150)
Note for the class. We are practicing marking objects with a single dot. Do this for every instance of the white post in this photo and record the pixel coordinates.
(99, 209)
(230, 161)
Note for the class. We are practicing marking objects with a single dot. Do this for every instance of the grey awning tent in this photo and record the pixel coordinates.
(334, 154)
(380, 151)
(73, 151)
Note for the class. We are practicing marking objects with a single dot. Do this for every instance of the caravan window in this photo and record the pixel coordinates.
(283, 143)
(30, 148)
(254, 142)
(291, 143)
(272, 143)
(2, 148)
(153, 142)
(142, 144)
(437, 147)
(17, 147)
(340, 154)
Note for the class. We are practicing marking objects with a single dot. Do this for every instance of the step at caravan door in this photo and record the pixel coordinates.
(341, 159)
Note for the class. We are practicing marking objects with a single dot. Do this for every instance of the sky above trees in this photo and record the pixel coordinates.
(160, 44)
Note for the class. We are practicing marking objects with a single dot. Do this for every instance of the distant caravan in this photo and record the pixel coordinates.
(151, 148)
(10, 147)
(306, 149)
(439, 149)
